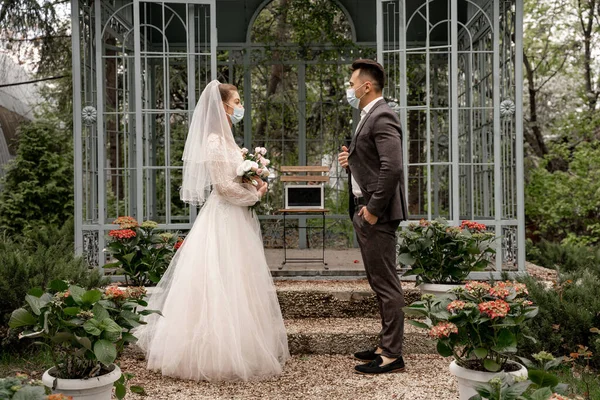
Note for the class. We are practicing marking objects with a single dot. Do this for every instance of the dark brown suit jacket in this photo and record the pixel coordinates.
(375, 160)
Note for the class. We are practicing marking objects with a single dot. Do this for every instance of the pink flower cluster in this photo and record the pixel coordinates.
(494, 309)
(456, 305)
(443, 330)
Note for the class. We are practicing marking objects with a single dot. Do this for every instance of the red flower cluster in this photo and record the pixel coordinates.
(500, 291)
(178, 244)
(442, 330)
(424, 222)
(126, 222)
(494, 309)
(472, 225)
(122, 233)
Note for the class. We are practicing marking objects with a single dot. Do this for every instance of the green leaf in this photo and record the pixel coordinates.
(112, 265)
(77, 293)
(100, 312)
(71, 311)
(405, 259)
(92, 327)
(491, 365)
(443, 349)
(138, 390)
(128, 338)
(58, 285)
(129, 257)
(105, 351)
(84, 341)
(91, 296)
(37, 292)
(35, 303)
(516, 389)
(120, 390)
(418, 324)
(541, 394)
(542, 378)
(21, 317)
(111, 326)
(506, 339)
(480, 352)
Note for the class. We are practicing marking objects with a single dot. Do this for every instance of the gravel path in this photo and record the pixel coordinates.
(309, 377)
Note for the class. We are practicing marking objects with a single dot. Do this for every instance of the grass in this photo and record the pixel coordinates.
(32, 362)
(578, 385)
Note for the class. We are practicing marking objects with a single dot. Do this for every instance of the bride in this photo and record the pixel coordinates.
(221, 318)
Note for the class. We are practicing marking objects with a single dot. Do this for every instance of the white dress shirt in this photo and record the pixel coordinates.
(355, 188)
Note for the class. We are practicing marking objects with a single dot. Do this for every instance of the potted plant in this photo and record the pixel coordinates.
(141, 252)
(540, 383)
(479, 325)
(441, 256)
(85, 330)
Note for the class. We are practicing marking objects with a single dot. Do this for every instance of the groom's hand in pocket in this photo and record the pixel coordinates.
(367, 216)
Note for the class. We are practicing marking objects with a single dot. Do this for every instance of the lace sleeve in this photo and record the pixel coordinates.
(226, 182)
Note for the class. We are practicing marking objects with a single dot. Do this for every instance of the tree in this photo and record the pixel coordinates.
(38, 185)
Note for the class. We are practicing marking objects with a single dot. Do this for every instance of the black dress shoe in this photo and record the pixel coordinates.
(374, 367)
(367, 355)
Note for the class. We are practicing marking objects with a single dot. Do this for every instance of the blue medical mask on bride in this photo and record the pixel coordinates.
(351, 96)
(238, 114)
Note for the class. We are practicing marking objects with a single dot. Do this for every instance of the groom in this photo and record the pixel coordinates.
(377, 205)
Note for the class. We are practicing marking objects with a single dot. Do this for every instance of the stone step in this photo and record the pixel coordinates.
(335, 299)
(348, 335)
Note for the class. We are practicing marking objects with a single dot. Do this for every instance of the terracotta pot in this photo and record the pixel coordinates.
(97, 388)
(468, 378)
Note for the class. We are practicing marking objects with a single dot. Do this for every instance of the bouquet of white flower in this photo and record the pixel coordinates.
(254, 165)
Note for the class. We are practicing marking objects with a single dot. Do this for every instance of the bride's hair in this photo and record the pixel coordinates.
(225, 90)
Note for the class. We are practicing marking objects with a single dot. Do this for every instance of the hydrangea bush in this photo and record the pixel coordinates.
(141, 252)
(479, 324)
(440, 253)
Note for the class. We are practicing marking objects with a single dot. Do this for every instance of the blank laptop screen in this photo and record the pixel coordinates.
(305, 196)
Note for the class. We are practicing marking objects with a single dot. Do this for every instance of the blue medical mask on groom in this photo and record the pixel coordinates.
(351, 96)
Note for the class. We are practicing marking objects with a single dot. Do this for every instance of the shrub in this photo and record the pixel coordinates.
(36, 258)
(38, 185)
(567, 312)
(565, 257)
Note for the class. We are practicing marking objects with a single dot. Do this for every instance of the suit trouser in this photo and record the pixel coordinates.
(378, 248)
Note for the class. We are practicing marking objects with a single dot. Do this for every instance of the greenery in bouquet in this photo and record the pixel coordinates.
(85, 330)
(440, 253)
(254, 166)
(21, 387)
(142, 253)
(479, 324)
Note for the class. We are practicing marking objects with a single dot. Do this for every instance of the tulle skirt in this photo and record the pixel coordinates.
(221, 318)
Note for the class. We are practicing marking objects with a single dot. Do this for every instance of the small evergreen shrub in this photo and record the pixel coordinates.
(565, 257)
(34, 259)
(568, 311)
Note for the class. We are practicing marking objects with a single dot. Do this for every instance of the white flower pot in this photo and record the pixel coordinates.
(437, 289)
(97, 388)
(468, 378)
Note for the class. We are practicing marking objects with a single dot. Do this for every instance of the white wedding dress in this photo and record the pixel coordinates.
(221, 318)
